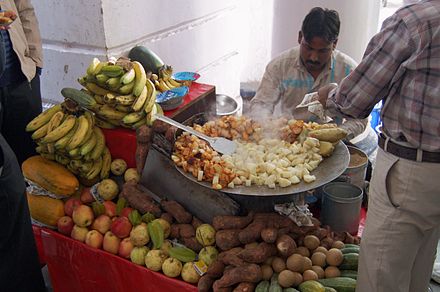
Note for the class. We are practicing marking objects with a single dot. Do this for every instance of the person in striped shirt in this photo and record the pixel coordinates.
(401, 67)
(304, 69)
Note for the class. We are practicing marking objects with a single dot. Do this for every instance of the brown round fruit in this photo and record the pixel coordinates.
(334, 257)
(321, 249)
(311, 242)
(286, 278)
(295, 262)
(319, 259)
(307, 264)
(338, 244)
(310, 275)
(266, 272)
(319, 271)
(332, 272)
(302, 250)
(278, 264)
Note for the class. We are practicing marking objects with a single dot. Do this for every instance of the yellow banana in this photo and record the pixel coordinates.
(139, 123)
(167, 82)
(93, 65)
(60, 131)
(110, 98)
(140, 78)
(151, 116)
(140, 101)
(71, 169)
(42, 118)
(174, 82)
(99, 98)
(125, 99)
(154, 76)
(133, 117)
(74, 153)
(85, 167)
(61, 143)
(152, 98)
(88, 145)
(54, 122)
(80, 133)
(104, 124)
(90, 117)
(99, 68)
(127, 88)
(110, 113)
(106, 162)
(95, 89)
(96, 169)
(41, 132)
(128, 77)
(100, 144)
(161, 85)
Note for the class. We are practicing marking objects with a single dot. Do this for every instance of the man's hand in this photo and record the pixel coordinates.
(324, 91)
(6, 18)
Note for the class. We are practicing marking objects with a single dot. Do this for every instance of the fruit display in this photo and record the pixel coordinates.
(67, 134)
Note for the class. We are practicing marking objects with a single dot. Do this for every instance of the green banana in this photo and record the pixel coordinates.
(110, 113)
(93, 65)
(133, 117)
(104, 124)
(88, 145)
(99, 68)
(140, 101)
(60, 131)
(42, 118)
(125, 99)
(123, 108)
(100, 144)
(80, 133)
(99, 99)
(106, 163)
(112, 70)
(113, 83)
(95, 170)
(95, 89)
(90, 117)
(152, 96)
(139, 123)
(61, 159)
(101, 78)
(128, 77)
(140, 79)
(127, 88)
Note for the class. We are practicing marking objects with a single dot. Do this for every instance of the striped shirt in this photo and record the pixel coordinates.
(286, 81)
(401, 66)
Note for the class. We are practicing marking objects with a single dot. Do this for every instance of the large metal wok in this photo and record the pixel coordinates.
(329, 169)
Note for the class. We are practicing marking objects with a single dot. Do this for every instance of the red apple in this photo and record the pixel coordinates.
(79, 233)
(110, 208)
(83, 215)
(102, 224)
(70, 205)
(125, 212)
(86, 196)
(65, 225)
(125, 248)
(94, 239)
(111, 243)
(121, 227)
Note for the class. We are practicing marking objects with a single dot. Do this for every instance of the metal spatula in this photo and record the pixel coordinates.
(219, 144)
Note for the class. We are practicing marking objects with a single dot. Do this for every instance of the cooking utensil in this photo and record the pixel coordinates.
(225, 105)
(219, 144)
(329, 169)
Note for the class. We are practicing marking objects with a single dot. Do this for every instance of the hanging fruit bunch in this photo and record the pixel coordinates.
(119, 92)
(67, 134)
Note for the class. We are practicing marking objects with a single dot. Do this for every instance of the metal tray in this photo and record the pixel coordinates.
(329, 169)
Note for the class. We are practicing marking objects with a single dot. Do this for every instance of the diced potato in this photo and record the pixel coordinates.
(309, 178)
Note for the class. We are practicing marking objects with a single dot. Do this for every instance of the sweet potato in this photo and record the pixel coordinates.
(205, 283)
(174, 231)
(177, 211)
(196, 222)
(144, 134)
(139, 200)
(247, 273)
(269, 235)
(144, 138)
(252, 232)
(258, 254)
(227, 239)
(245, 287)
(216, 288)
(167, 217)
(285, 245)
(216, 269)
(273, 220)
(231, 222)
(171, 134)
(186, 230)
(192, 243)
(230, 258)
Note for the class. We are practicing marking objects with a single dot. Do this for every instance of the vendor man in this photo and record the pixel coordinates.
(304, 69)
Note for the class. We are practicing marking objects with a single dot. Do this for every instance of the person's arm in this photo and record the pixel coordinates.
(269, 92)
(369, 82)
(31, 30)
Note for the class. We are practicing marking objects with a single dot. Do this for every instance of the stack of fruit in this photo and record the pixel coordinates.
(119, 92)
(67, 134)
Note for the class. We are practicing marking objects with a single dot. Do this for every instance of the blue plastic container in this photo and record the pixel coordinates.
(375, 116)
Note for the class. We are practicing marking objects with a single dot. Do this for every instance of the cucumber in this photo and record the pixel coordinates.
(340, 284)
(274, 285)
(351, 245)
(149, 60)
(350, 250)
(263, 286)
(349, 273)
(350, 262)
(80, 97)
(311, 286)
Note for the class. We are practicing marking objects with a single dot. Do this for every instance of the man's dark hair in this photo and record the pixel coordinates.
(323, 23)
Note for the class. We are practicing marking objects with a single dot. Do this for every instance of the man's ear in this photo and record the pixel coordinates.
(300, 36)
(335, 43)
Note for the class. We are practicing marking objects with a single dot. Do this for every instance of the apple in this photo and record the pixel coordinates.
(125, 212)
(65, 225)
(79, 233)
(86, 196)
(102, 224)
(111, 243)
(94, 239)
(110, 208)
(125, 248)
(121, 227)
(83, 215)
(70, 205)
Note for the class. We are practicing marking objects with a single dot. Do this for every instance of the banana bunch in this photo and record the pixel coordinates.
(123, 93)
(72, 139)
(164, 81)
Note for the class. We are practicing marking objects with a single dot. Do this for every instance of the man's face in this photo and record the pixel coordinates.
(316, 53)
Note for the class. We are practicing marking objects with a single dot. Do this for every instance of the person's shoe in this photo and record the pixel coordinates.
(429, 289)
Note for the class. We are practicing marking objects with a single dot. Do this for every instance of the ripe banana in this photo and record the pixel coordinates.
(133, 117)
(60, 131)
(42, 118)
(106, 162)
(123, 108)
(61, 143)
(139, 123)
(95, 170)
(154, 76)
(167, 82)
(61, 159)
(174, 82)
(128, 77)
(88, 145)
(80, 133)
(162, 86)
(85, 167)
(113, 83)
(41, 132)
(54, 122)
(93, 65)
(74, 153)
(125, 99)
(152, 98)
(72, 170)
(140, 78)
(104, 124)
(140, 101)
(90, 117)
(109, 113)
(110, 98)
(127, 88)
(95, 89)
(100, 144)
(99, 98)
